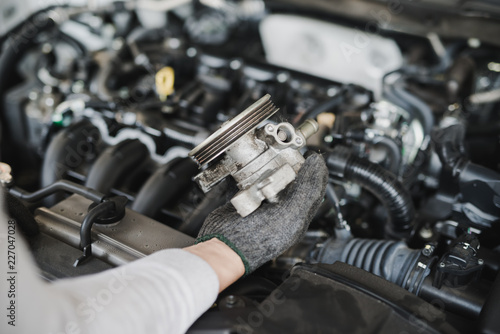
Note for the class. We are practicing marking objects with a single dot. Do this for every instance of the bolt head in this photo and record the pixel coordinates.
(425, 233)
(282, 77)
(442, 265)
(33, 95)
(235, 64)
(480, 261)
(191, 52)
(46, 48)
(282, 136)
(231, 300)
(332, 91)
(298, 141)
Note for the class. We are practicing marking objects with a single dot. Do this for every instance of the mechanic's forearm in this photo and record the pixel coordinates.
(161, 293)
(223, 260)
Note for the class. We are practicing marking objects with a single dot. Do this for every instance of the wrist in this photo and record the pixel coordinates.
(226, 263)
(228, 242)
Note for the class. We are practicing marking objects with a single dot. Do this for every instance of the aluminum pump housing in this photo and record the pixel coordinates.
(262, 160)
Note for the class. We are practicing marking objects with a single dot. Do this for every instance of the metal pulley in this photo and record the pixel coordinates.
(263, 160)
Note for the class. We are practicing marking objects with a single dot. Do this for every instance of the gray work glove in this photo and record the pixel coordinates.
(273, 227)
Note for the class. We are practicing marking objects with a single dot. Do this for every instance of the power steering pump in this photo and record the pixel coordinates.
(262, 160)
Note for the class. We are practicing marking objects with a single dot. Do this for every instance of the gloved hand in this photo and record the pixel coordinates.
(273, 227)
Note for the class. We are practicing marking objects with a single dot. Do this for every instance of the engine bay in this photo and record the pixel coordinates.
(105, 103)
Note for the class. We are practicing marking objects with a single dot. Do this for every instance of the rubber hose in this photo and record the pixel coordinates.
(389, 259)
(332, 197)
(141, 35)
(68, 150)
(213, 199)
(114, 164)
(17, 44)
(333, 102)
(411, 171)
(393, 151)
(418, 109)
(398, 264)
(386, 187)
(164, 185)
(89, 220)
(383, 184)
(61, 185)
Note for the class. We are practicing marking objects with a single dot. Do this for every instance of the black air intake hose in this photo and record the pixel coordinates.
(115, 163)
(165, 186)
(212, 200)
(69, 149)
(411, 269)
(389, 259)
(381, 183)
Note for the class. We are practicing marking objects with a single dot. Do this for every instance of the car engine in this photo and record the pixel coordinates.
(123, 124)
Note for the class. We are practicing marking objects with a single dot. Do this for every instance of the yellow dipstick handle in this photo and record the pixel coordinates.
(164, 80)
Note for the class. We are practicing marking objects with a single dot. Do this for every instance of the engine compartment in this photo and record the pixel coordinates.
(112, 99)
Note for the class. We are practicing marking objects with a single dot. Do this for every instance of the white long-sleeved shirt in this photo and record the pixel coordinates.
(161, 293)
